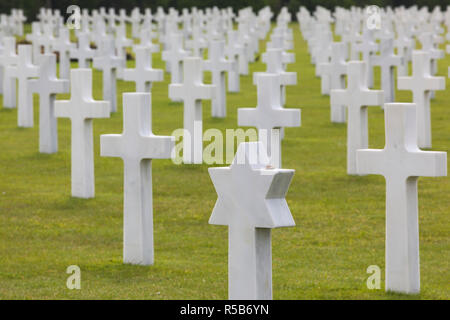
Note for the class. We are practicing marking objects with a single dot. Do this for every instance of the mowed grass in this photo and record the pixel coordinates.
(340, 219)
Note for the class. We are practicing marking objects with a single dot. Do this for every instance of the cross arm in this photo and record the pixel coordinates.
(157, 147)
(247, 117)
(206, 91)
(370, 161)
(324, 69)
(339, 97)
(129, 74)
(165, 55)
(255, 76)
(176, 91)
(405, 83)
(286, 78)
(288, 117)
(287, 57)
(373, 97)
(62, 108)
(428, 164)
(11, 72)
(156, 74)
(207, 65)
(60, 86)
(435, 83)
(97, 109)
(111, 145)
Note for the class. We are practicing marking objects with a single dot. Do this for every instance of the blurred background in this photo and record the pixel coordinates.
(31, 7)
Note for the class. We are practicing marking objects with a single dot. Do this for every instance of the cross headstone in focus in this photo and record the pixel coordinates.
(401, 162)
(137, 146)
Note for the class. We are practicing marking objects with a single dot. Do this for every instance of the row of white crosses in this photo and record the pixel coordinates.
(364, 42)
(408, 127)
(138, 146)
(134, 147)
(110, 58)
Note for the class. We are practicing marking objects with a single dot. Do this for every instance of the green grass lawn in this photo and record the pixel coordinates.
(340, 219)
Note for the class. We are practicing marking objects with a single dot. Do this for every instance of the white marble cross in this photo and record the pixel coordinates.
(368, 47)
(136, 19)
(405, 46)
(82, 109)
(192, 92)
(121, 41)
(143, 74)
(83, 53)
(335, 70)
(242, 52)
(235, 52)
(174, 57)
(109, 63)
(401, 162)
(269, 116)
(98, 34)
(47, 38)
(36, 38)
(63, 46)
(357, 97)
(9, 58)
(251, 201)
(387, 60)
(145, 39)
(427, 41)
(198, 43)
(420, 83)
(273, 59)
(217, 64)
(137, 146)
(23, 71)
(47, 86)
